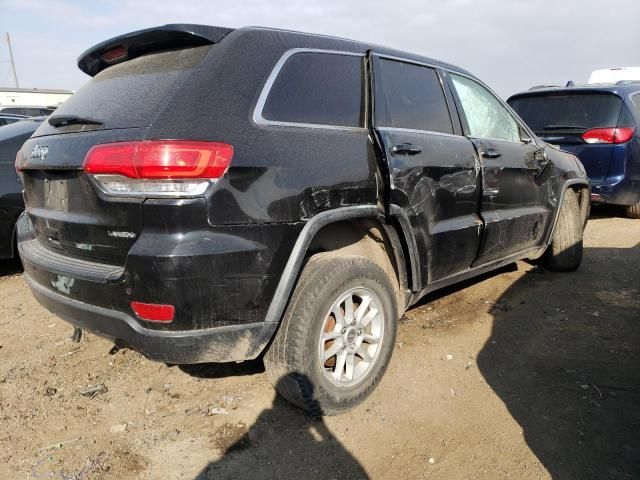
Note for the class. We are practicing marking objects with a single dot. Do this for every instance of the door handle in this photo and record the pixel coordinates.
(406, 149)
(490, 153)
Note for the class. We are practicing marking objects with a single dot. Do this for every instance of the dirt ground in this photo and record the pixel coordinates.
(520, 374)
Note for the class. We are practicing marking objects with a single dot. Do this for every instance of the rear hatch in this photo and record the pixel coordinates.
(67, 212)
(563, 119)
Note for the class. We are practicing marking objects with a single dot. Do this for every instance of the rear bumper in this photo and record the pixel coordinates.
(220, 281)
(219, 344)
(624, 192)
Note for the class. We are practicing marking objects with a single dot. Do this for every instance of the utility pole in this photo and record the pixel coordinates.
(13, 65)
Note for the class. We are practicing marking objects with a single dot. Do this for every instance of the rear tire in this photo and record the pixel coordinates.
(564, 254)
(633, 211)
(298, 362)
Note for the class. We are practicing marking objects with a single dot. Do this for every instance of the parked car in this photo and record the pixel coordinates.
(259, 191)
(11, 204)
(27, 110)
(6, 119)
(599, 124)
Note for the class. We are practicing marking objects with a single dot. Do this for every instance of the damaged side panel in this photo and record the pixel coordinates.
(439, 192)
(514, 198)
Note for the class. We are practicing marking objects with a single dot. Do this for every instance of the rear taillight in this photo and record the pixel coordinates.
(117, 53)
(163, 168)
(609, 135)
(18, 163)
(154, 312)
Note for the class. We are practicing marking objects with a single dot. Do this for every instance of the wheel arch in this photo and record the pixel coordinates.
(580, 186)
(358, 230)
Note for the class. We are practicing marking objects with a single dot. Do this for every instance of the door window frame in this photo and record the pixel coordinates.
(453, 113)
(522, 127)
(257, 117)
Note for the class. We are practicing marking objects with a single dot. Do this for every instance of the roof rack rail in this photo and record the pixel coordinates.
(538, 87)
(626, 82)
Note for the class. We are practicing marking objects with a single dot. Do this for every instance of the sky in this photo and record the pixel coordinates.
(510, 44)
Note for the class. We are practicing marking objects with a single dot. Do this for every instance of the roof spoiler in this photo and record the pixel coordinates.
(142, 42)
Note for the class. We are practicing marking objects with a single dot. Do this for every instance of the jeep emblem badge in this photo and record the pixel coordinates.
(39, 152)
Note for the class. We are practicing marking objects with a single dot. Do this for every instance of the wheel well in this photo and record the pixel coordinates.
(368, 238)
(584, 200)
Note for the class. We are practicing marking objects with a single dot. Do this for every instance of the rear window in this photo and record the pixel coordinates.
(318, 89)
(636, 101)
(133, 93)
(561, 112)
(410, 96)
(27, 111)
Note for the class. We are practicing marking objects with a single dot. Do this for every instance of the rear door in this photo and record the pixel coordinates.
(514, 193)
(432, 167)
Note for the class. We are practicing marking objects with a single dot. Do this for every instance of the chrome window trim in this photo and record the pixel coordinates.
(257, 117)
(452, 71)
(412, 130)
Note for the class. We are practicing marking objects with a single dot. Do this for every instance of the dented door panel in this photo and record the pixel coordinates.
(514, 198)
(439, 191)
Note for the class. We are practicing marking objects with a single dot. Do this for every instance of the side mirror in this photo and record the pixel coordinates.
(524, 136)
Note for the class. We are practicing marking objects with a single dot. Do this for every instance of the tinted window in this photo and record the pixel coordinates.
(544, 113)
(318, 88)
(28, 111)
(410, 96)
(486, 116)
(8, 120)
(133, 93)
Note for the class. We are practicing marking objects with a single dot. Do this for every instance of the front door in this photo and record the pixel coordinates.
(514, 186)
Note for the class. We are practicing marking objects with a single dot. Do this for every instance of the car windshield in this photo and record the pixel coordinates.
(545, 113)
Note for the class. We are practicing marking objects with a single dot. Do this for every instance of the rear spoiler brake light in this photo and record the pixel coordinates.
(142, 42)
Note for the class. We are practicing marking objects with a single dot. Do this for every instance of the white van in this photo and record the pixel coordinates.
(31, 101)
(613, 75)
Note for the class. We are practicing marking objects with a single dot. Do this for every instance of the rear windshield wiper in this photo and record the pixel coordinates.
(64, 120)
(564, 127)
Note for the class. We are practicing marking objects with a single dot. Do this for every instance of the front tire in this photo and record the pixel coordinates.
(564, 254)
(337, 335)
(633, 211)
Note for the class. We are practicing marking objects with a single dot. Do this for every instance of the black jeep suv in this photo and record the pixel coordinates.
(213, 194)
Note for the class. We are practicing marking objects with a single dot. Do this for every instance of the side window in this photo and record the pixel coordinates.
(486, 116)
(636, 101)
(319, 89)
(410, 96)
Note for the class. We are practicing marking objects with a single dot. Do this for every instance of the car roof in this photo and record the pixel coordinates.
(22, 127)
(620, 88)
(12, 115)
(361, 47)
(189, 35)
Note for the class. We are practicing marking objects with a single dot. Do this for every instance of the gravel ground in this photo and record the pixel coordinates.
(519, 374)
